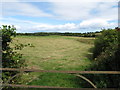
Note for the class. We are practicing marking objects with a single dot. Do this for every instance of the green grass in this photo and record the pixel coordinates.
(60, 80)
(55, 53)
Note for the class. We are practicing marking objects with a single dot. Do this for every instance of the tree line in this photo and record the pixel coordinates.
(87, 34)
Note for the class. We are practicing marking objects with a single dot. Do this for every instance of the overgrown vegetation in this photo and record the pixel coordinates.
(11, 58)
(107, 40)
(106, 51)
(106, 55)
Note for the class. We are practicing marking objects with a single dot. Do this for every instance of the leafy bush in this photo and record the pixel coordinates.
(106, 39)
(107, 58)
(10, 58)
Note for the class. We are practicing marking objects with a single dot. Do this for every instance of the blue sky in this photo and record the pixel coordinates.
(62, 16)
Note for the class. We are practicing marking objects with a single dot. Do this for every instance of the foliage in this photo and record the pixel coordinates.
(107, 58)
(106, 39)
(10, 58)
(106, 50)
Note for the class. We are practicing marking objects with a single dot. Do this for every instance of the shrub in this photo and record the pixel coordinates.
(107, 58)
(10, 58)
(106, 39)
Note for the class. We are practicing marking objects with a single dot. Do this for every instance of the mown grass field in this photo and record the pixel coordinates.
(55, 53)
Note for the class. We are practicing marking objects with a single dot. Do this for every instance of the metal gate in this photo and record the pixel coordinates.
(76, 73)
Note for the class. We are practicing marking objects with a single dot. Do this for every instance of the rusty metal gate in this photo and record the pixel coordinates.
(76, 73)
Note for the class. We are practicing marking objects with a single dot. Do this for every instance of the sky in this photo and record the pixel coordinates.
(59, 16)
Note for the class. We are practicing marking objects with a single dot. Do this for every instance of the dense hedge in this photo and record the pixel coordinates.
(107, 39)
(105, 51)
(106, 54)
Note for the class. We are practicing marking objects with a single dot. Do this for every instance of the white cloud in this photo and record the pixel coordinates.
(85, 10)
(67, 26)
(21, 25)
(94, 15)
(65, 10)
(30, 26)
(61, 0)
(97, 24)
(72, 11)
(107, 11)
(18, 21)
(20, 8)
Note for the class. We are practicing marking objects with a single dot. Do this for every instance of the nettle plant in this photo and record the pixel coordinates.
(11, 58)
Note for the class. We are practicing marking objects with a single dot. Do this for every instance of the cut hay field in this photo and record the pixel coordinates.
(55, 53)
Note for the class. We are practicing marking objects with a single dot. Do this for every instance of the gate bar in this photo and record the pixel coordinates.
(56, 71)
